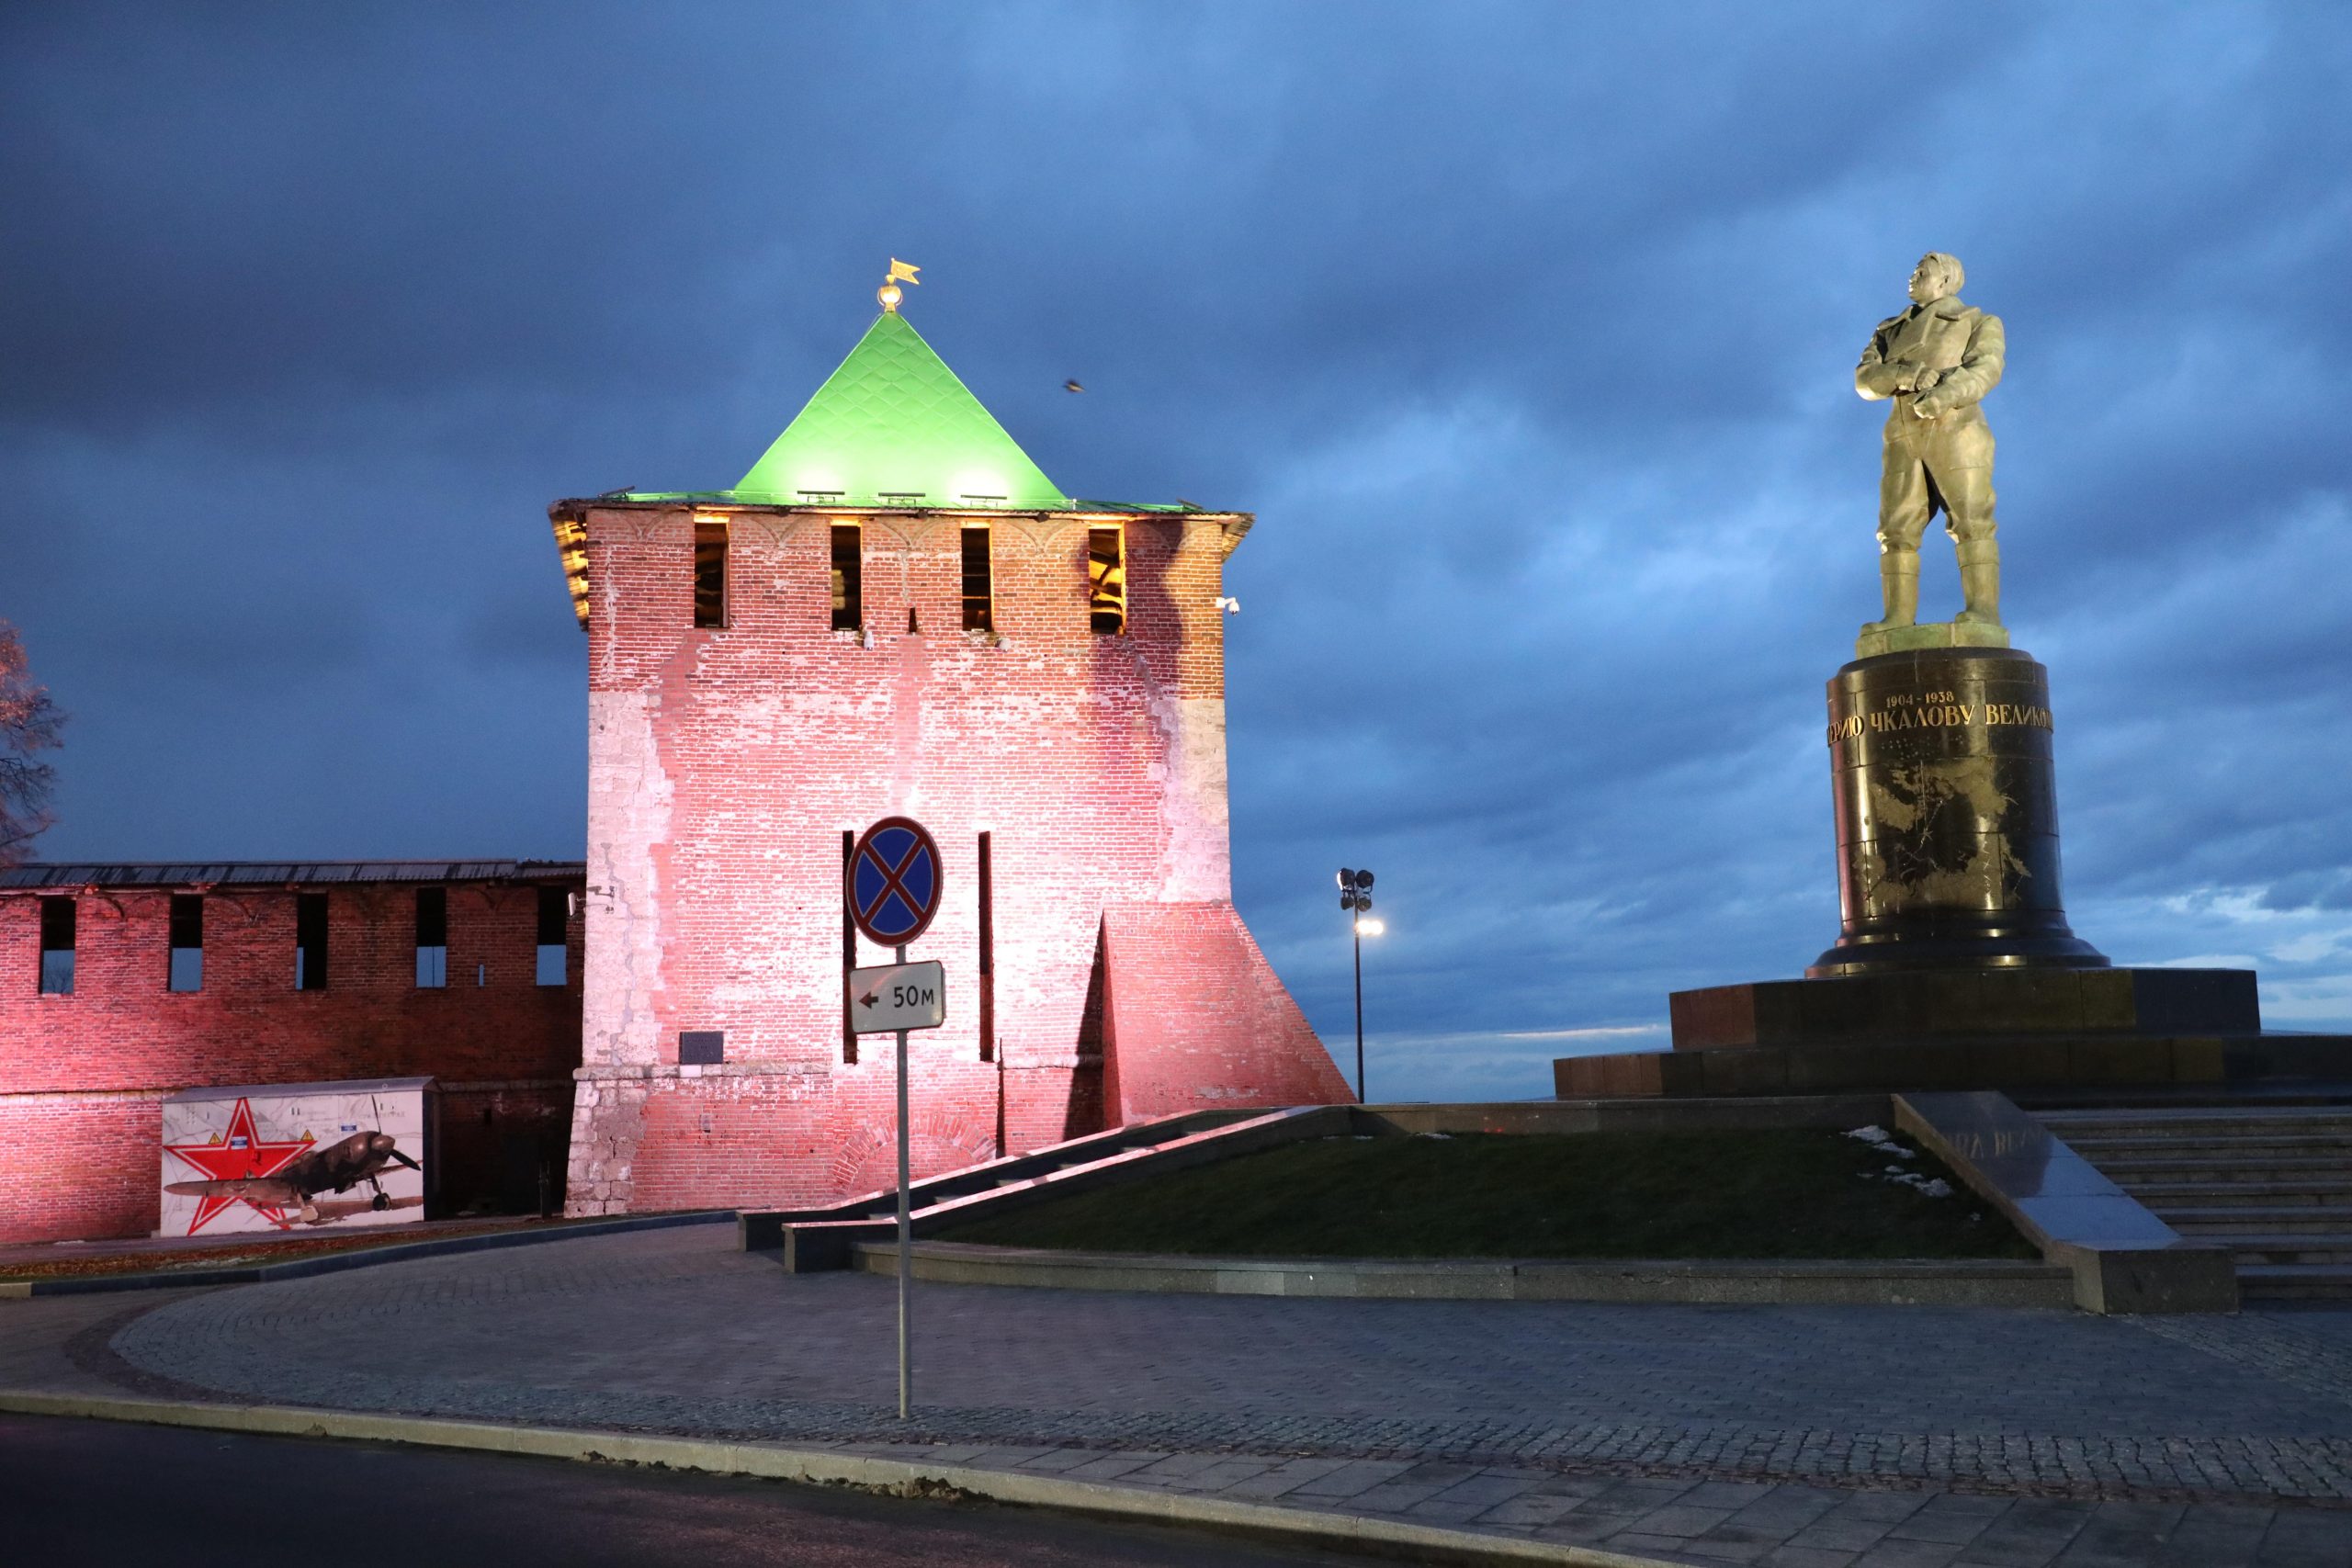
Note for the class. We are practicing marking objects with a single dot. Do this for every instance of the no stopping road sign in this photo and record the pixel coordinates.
(893, 881)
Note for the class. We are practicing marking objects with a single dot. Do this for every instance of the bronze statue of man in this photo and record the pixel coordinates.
(1936, 360)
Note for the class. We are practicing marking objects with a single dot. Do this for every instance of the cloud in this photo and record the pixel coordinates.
(1526, 331)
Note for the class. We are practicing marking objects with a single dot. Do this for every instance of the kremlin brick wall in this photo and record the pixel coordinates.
(84, 1073)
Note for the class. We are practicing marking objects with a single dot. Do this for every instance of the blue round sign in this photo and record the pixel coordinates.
(894, 881)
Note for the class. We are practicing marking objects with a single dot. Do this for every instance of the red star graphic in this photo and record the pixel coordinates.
(224, 1161)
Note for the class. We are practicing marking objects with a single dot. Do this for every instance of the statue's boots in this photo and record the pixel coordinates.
(1980, 582)
(1898, 580)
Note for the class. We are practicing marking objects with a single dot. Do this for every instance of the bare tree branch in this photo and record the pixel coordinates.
(29, 722)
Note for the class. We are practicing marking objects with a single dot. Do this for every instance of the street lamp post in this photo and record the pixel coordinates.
(1355, 896)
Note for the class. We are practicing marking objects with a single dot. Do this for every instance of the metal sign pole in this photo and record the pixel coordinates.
(906, 1230)
(1358, 928)
(1355, 897)
(892, 884)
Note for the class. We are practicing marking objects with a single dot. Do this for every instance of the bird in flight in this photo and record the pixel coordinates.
(1072, 387)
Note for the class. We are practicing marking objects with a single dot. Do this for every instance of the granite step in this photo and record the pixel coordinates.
(2203, 1116)
(2258, 1097)
(2165, 1195)
(2207, 1144)
(2221, 1220)
(2126, 1171)
(2295, 1281)
(2255, 1250)
(2323, 1136)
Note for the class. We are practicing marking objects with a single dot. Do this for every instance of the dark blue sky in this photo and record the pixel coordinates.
(1526, 330)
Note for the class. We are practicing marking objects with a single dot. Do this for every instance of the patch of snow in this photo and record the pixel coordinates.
(1931, 1186)
(1883, 1142)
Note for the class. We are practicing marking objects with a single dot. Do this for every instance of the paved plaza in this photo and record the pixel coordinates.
(1799, 1437)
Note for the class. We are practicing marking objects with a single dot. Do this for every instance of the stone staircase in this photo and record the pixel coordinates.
(2269, 1177)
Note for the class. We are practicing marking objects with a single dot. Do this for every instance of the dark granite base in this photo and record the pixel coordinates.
(1944, 787)
(2012, 1063)
(1943, 1004)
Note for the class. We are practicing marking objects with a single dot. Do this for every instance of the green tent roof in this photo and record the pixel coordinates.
(893, 425)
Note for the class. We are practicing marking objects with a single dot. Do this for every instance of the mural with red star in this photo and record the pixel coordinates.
(240, 1154)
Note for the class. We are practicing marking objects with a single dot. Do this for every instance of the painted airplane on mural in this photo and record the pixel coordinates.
(277, 1177)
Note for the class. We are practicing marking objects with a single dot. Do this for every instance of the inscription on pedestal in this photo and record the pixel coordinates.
(1936, 710)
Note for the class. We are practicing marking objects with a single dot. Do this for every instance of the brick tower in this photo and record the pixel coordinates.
(896, 612)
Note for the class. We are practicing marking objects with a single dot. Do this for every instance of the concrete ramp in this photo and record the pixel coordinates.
(812, 1239)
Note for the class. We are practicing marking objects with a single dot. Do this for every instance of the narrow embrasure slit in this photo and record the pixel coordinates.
(710, 574)
(979, 586)
(848, 597)
(1106, 572)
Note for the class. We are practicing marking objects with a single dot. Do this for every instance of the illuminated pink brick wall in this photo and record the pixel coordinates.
(725, 764)
(83, 1074)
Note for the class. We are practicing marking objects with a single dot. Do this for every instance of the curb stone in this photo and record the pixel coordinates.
(1798, 1281)
(1360, 1533)
(359, 1258)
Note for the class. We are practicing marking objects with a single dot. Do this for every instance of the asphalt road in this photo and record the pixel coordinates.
(105, 1493)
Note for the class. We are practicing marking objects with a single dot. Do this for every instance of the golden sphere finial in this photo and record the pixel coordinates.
(900, 272)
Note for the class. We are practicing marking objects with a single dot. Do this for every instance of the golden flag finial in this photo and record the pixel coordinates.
(890, 293)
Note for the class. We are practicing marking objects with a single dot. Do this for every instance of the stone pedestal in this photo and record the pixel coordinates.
(1969, 1004)
(1955, 968)
(1947, 811)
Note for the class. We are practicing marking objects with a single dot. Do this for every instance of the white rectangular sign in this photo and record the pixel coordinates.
(898, 995)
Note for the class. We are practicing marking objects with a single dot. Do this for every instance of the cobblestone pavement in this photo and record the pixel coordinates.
(1799, 1436)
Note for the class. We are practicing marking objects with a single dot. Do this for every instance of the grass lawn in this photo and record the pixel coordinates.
(1783, 1193)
